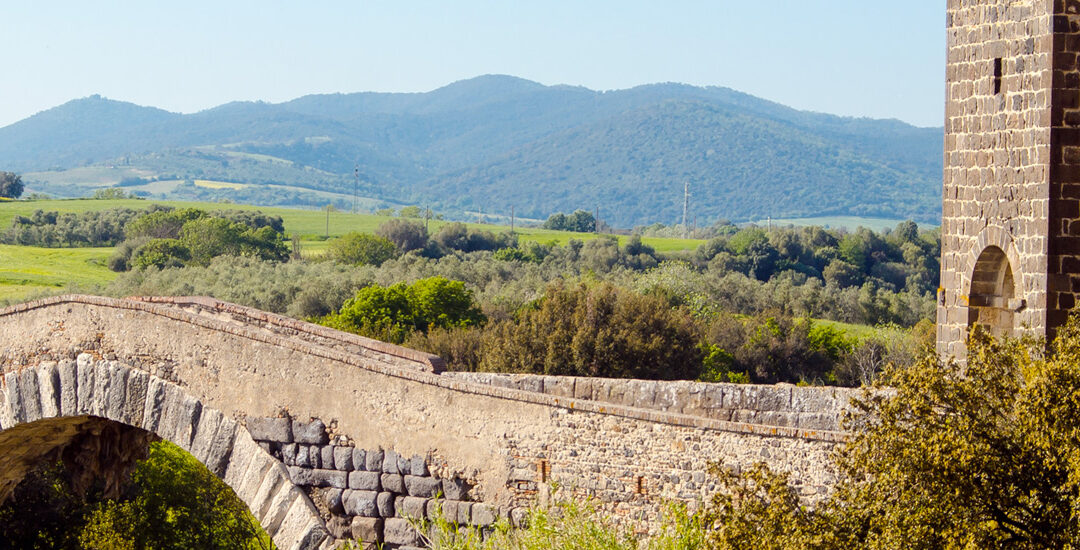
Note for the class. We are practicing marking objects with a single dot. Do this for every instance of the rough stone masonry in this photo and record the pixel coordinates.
(328, 436)
(1011, 194)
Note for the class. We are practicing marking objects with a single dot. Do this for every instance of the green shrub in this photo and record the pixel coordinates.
(598, 330)
(161, 253)
(360, 249)
(392, 313)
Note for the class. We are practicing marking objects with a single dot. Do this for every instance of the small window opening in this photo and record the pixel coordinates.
(543, 468)
(997, 75)
(639, 485)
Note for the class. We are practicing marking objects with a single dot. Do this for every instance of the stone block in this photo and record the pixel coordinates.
(367, 530)
(314, 456)
(326, 457)
(69, 388)
(339, 527)
(303, 456)
(384, 503)
(455, 489)
(318, 477)
(411, 507)
(400, 532)
(49, 389)
(374, 460)
(288, 454)
(418, 486)
(29, 396)
(361, 503)
(135, 400)
(484, 515)
(334, 501)
(393, 483)
(270, 429)
(359, 459)
(418, 466)
(390, 463)
(365, 481)
(311, 433)
(209, 421)
(464, 512)
(343, 458)
(85, 383)
(115, 391)
(155, 401)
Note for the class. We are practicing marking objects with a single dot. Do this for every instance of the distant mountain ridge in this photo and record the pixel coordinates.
(495, 142)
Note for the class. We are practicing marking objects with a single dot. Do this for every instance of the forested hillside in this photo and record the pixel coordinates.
(496, 142)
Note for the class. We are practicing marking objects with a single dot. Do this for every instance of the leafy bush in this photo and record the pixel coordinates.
(406, 235)
(975, 455)
(160, 253)
(392, 313)
(597, 330)
(360, 249)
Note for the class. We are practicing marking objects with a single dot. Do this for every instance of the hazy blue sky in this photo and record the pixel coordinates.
(850, 57)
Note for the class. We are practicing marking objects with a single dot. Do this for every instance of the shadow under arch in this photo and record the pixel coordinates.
(992, 301)
(45, 408)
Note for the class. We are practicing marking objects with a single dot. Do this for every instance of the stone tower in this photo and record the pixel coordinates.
(1011, 197)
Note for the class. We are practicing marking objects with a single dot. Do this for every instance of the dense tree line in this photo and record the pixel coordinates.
(71, 229)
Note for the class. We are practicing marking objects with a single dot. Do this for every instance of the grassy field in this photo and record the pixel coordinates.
(26, 270)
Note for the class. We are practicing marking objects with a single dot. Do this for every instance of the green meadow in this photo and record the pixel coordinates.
(29, 270)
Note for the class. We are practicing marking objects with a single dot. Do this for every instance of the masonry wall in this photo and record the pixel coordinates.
(997, 177)
(504, 443)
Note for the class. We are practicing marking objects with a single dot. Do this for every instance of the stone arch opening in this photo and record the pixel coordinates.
(53, 409)
(992, 299)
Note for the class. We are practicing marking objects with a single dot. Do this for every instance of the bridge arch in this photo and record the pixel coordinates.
(45, 408)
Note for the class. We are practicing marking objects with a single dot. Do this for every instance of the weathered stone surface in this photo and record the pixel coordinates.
(361, 503)
(270, 429)
(417, 466)
(318, 477)
(343, 458)
(390, 463)
(68, 387)
(48, 389)
(311, 433)
(334, 500)
(326, 457)
(422, 486)
(289, 454)
(303, 456)
(367, 529)
(365, 481)
(315, 456)
(399, 531)
(135, 397)
(411, 507)
(455, 489)
(385, 504)
(484, 515)
(374, 460)
(393, 482)
(359, 459)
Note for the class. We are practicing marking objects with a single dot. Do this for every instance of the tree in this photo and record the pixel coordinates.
(581, 221)
(600, 330)
(392, 313)
(361, 249)
(161, 253)
(11, 185)
(978, 455)
(406, 235)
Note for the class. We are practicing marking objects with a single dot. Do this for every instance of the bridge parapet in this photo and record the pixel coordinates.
(632, 445)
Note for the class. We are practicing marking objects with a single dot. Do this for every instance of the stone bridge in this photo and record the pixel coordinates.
(328, 436)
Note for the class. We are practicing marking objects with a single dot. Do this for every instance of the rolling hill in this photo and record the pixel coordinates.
(493, 142)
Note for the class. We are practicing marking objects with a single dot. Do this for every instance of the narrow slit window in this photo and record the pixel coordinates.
(997, 75)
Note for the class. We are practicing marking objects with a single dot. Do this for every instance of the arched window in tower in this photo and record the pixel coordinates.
(991, 303)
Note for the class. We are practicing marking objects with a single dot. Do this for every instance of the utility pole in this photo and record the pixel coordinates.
(328, 207)
(356, 188)
(596, 220)
(511, 219)
(685, 208)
